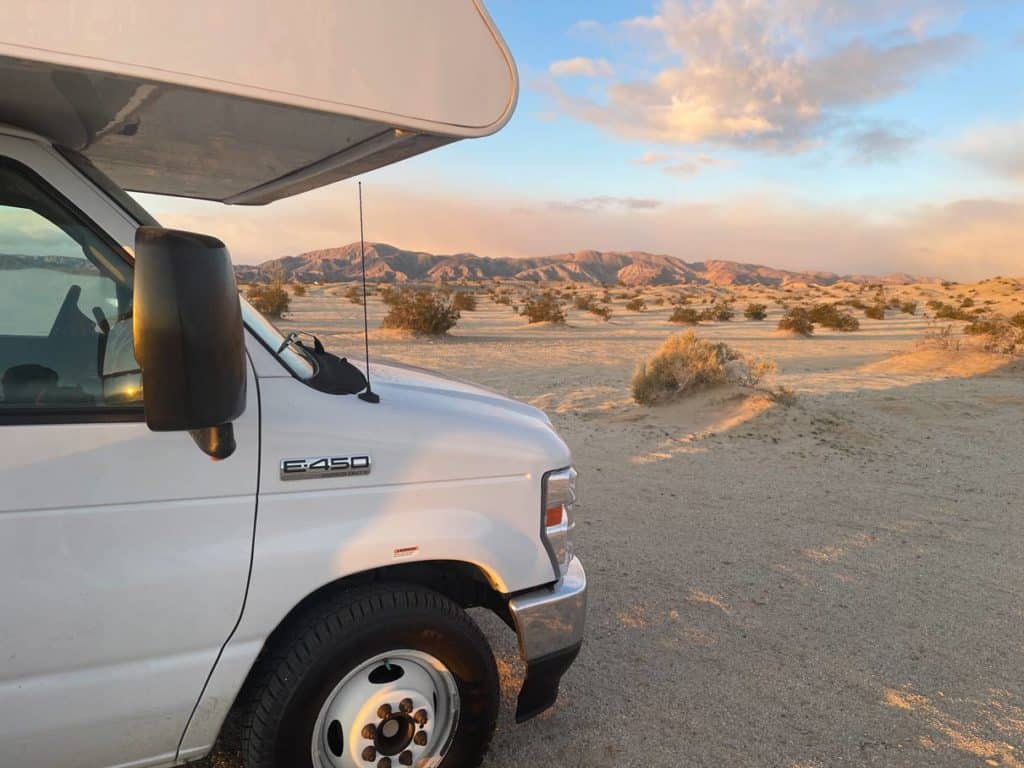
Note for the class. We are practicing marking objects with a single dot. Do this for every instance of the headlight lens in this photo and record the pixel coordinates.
(557, 520)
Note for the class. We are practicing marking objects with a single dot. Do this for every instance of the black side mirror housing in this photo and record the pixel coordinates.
(188, 336)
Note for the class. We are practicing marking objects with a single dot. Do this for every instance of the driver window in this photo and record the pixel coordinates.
(65, 306)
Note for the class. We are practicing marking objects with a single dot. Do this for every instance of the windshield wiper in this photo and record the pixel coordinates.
(292, 339)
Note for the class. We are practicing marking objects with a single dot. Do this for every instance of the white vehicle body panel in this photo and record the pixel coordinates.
(124, 555)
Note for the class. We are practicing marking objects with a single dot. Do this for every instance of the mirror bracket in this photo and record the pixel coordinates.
(216, 442)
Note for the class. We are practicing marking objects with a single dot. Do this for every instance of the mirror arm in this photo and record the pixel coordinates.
(216, 442)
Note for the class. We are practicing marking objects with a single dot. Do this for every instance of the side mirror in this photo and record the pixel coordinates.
(188, 336)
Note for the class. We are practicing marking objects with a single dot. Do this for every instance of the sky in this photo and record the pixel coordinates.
(874, 136)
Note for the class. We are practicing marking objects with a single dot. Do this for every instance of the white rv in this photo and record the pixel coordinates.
(203, 527)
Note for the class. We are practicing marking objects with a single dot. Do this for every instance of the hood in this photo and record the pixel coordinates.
(410, 377)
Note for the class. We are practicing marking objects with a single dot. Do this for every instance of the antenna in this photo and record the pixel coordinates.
(368, 394)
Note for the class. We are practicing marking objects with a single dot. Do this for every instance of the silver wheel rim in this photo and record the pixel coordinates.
(398, 708)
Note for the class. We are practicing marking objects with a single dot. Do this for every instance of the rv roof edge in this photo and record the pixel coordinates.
(254, 103)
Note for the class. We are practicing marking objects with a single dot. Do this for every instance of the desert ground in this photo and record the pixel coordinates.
(824, 570)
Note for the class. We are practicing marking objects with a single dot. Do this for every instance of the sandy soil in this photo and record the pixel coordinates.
(839, 581)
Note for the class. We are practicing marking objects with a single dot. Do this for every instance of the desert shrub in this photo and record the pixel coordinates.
(636, 304)
(875, 312)
(857, 304)
(949, 312)
(584, 303)
(829, 316)
(1017, 321)
(685, 363)
(270, 299)
(543, 309)
(658, 301)
(756, 311)
(718, 313)
(797, 320)
(967, 303)
(354, 294)
(464, 301)
(684, 316)
(604, 312)
(389, 295)
(998, 334)
(422, 312)
(298, 289)
(908, 307)
(941, 336)
(503, 298)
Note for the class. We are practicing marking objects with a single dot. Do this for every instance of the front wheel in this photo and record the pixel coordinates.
(379, 677)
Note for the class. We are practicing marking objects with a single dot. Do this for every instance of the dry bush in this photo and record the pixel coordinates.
(998, 334)
(756, 311)
(270, 299)
(797, 320)
(464, 301)
(829, 316)
(1017, 321)
(875, 311)
(543, 309)
(718, 313)
(949, 312)
(684, 316)
(584, 303)
(941, 336)
(422, 312)
(686, 363)
(354, 295)
(604, 312)
(908, 307)
(636, 304)
(298, 289)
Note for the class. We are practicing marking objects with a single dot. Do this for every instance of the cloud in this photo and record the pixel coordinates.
(996, 147)
(764, 74)
(676, 164)
(581, 67)
(603, 202)
(585, 26)
(653, 158)
(961, 239)
(878, 144)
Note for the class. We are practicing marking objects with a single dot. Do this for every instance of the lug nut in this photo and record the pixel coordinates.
(420, 739)
(420, 717)
(369, 731)
(384, 711)
(369, 754)
(405, 758)
(384, 762)
(405, 705)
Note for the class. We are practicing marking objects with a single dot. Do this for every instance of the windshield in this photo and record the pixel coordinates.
(296, 360)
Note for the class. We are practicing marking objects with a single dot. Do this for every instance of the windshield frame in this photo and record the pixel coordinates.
(302, 365)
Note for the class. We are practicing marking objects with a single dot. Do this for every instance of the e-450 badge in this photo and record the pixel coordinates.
(325, 466)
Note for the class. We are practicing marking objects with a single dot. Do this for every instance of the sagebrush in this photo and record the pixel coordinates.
(423, 312)
(686, 363)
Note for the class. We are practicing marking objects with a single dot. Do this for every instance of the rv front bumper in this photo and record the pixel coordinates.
(549, 623)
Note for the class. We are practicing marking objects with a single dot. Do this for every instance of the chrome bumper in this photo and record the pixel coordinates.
(549, 623)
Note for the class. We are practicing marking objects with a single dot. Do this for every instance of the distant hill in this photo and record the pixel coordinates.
(386, 263)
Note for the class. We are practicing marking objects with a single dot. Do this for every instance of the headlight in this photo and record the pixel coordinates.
(558, 502)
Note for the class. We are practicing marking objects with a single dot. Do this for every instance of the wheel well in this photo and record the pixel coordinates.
(463, 583)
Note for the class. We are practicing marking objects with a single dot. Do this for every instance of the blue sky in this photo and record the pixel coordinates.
(881, 135)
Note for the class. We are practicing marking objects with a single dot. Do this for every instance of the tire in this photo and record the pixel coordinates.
(312, 676)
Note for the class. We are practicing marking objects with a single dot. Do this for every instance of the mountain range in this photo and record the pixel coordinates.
(386, 263)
